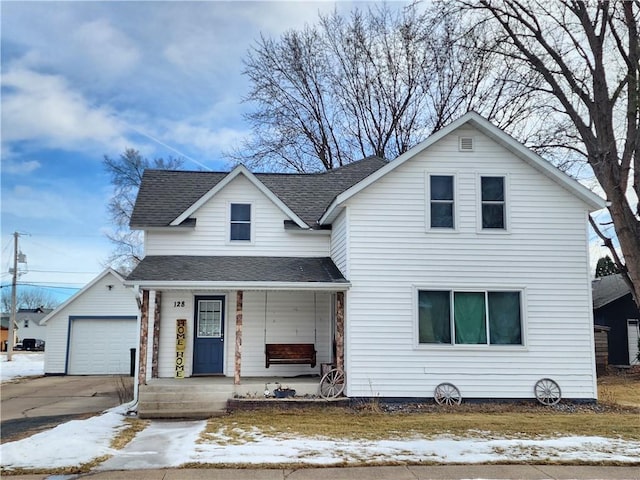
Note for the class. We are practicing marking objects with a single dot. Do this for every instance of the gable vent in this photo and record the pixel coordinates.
(465, 144)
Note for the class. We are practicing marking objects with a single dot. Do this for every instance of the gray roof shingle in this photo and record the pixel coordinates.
(191, 268)
(165, 194)
(607, 289)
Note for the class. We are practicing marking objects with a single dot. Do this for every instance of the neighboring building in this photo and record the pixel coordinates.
(93, 332)
(613, 307)
(463, 261)
(28, 323)
(4, 333)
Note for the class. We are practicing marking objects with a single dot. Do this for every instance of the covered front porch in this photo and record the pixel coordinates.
(199, 348)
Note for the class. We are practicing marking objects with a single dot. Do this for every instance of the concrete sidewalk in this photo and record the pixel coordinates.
(440, 472)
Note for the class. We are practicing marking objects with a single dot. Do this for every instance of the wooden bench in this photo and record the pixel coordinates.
(290, 354)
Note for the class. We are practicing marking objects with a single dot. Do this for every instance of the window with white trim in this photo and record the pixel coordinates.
(442, 203)
(493, 202)
(240, 222)
(469, 317)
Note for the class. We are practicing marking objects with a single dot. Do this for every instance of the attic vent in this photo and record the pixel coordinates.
(465, 144)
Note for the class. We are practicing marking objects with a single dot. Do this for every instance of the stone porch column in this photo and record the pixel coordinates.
(156, 335)
(340, 330)
(238, 351)
(144, 339)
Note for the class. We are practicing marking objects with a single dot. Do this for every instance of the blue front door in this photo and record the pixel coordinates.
(208, 348)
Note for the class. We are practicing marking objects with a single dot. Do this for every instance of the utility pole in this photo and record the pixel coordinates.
(12, 320)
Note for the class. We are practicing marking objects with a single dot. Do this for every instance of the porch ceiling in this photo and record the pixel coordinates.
(238, 272)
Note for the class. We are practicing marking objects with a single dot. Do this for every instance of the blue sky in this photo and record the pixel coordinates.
(81, 80)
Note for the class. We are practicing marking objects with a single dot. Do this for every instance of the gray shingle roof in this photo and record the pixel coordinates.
(189, 268)
(607, 289)
(165, 194)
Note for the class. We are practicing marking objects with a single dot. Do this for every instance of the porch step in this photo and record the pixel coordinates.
(171, 401)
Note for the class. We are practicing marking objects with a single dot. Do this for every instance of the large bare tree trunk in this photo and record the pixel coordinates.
(588, 56)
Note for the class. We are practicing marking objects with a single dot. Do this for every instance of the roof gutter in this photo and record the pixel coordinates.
(206, 285)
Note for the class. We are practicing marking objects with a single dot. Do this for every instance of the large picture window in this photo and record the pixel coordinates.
(240, 224)
(469, 318)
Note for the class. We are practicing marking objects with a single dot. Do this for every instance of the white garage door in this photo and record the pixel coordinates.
(101, 346)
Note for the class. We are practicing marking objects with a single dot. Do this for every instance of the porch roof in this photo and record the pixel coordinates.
(237, 272)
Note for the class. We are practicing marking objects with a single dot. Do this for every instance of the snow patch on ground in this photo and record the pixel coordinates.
(22, 364)
(442, 449)
(67, 445)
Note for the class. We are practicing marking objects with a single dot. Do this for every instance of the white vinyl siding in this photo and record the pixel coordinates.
(339, 241)
(98, 300)
(391, 254)
(291, 317)
(211, 233)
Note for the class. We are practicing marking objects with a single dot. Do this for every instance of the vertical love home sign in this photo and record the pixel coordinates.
(181, 342)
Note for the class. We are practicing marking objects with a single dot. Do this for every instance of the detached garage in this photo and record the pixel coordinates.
(94, 331)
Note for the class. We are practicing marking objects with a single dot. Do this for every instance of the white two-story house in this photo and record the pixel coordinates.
(461, 269)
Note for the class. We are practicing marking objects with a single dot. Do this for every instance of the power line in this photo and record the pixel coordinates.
(47, 285)
(61, 271)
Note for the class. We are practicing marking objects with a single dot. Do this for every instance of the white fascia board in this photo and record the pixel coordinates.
(80, 292)
(179, 228)
(594, 201)
(240, 169)
(187, 285)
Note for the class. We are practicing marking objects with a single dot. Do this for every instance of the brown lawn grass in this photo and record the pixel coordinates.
(620, 389)
(513, 421)
(617, 415)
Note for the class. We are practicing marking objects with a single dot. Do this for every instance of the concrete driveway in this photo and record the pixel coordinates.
(31, 405)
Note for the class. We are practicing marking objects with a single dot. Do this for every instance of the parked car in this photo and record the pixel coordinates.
(33, 344)
(18, 346)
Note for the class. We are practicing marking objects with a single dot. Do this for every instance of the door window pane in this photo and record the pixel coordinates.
(434, 317)
(470, 317)
(504, 318)
(209, 318)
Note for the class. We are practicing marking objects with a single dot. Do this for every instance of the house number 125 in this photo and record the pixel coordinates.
(179, 303)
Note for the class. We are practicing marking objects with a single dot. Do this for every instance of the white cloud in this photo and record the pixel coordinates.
(209, 141)
(37, 106)
(108, 49)
(27, 202)
(20, 167)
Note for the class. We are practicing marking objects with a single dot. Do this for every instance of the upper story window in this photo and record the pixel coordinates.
(442, 205)
(493, 202)
(469, 317)
(240, 222)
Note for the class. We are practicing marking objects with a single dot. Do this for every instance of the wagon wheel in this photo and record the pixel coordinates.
(332, 384)
(447, 394)
(547, 391)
